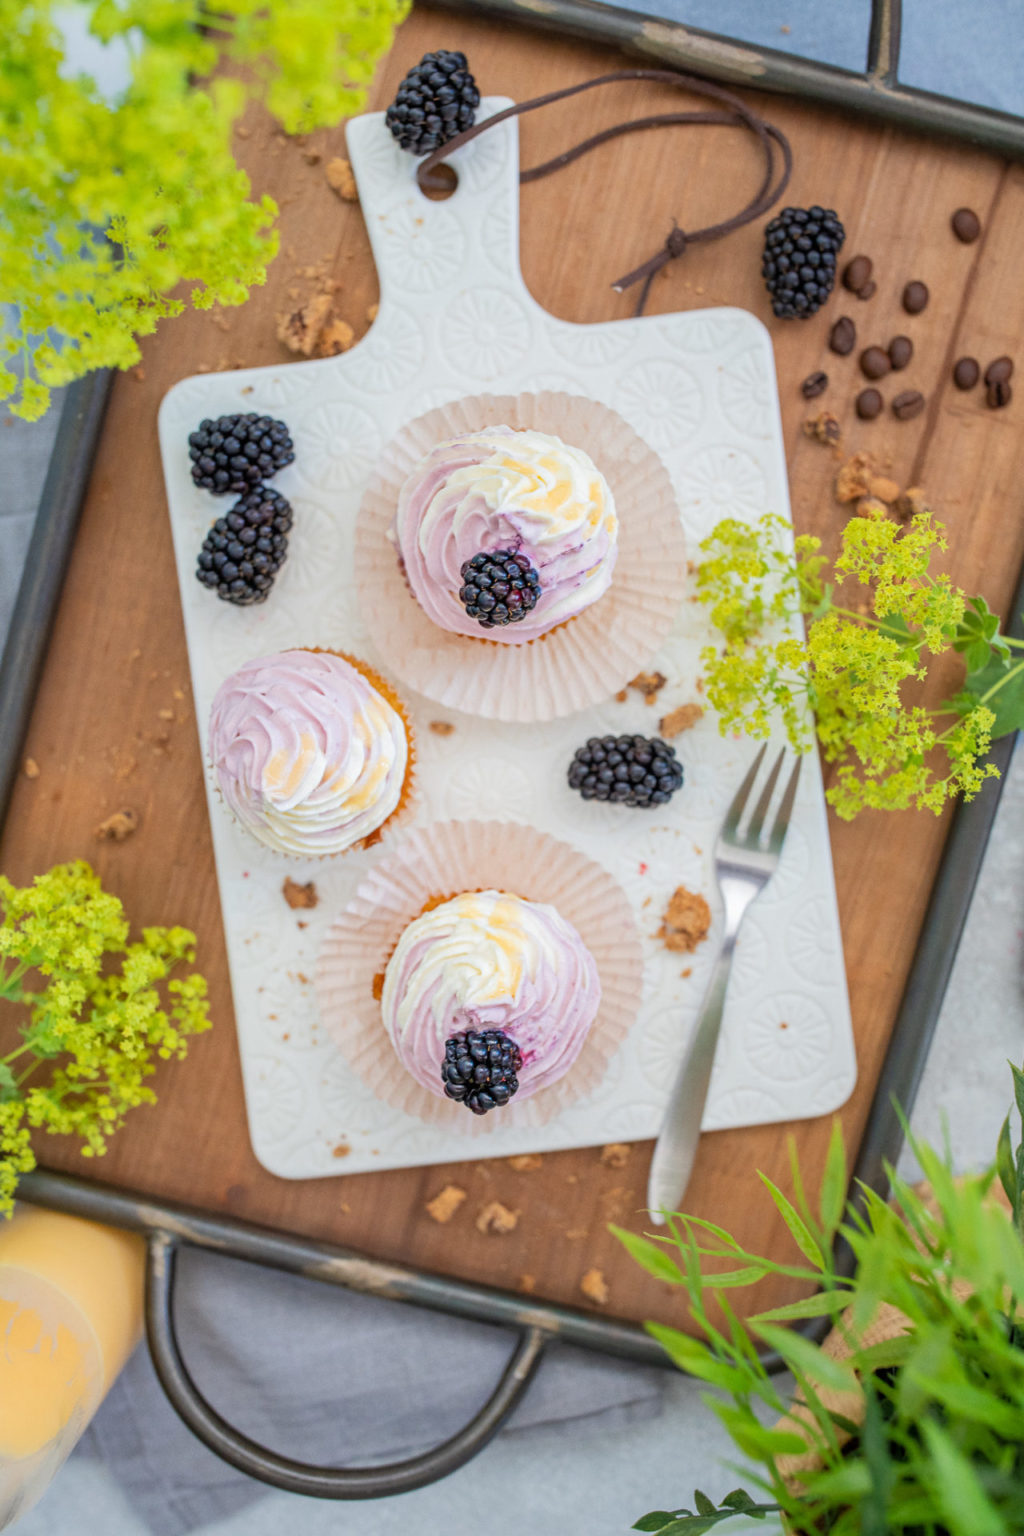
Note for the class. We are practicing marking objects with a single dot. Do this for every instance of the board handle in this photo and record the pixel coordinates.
(258, 1461)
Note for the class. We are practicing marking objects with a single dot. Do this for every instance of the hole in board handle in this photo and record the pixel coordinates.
(438, 184)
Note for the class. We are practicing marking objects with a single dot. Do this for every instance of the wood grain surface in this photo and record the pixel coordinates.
(114, 728)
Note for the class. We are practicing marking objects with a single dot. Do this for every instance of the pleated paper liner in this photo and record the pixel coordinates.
(408, 803)
(581, 662)
(442, 860)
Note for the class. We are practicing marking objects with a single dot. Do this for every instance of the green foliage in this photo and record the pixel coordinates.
(98, 1030)
(105, 208)
(854, 672)
(938, 1446)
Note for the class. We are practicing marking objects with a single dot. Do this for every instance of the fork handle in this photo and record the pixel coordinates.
(676, 1146)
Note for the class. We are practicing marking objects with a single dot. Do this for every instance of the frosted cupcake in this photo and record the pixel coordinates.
(505, 534)
(311, 751)
(486, 995)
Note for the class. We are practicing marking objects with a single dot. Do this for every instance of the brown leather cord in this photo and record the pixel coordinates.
(735, 115)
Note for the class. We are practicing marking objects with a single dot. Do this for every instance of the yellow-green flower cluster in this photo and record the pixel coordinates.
(97, 1029)
(854, 668)
(106, 207)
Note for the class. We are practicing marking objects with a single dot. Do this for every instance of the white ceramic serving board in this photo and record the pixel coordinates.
(455, 319)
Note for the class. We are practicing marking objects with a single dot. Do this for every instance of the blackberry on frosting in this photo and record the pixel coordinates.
(522, 497)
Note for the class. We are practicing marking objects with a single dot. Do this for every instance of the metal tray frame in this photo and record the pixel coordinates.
(167, 1228)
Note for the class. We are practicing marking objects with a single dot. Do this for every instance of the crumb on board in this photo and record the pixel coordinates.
(649, 684)
(911, 502)
(882, 488)
(30, 768)
(824, 428)
(686, 921)
(341, 179)
(526, 1162)
(299, 897)
(594, 1287)
(341, 1150)
(299, 329)
(527, 1284)
(616, 1154)
(442, 727)
(445, 1203)
(870, 506)
(679, 720)
(335, 337)
(372, 311)
(117, 827)
(686, 973)
(312, 156)
(622, 695)
(496, 1219)
(854, 476)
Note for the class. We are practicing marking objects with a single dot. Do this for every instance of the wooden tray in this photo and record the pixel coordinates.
(113, 725)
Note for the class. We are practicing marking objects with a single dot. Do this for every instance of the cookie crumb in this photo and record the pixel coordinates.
(117, 827)
(336, 337)
(594, 1287)
(341, 1150)
(312, 156)
(686, 921)
(870, 506)
(910, 503)
(30, 768)
(526, 1162)
(881, 488)
(824, 428)
(649, 684)
(854, 477)
(679, 720)
(496, 1219)
(622, 695)
(341, 180)
(299, 896)
(372, 311)
(527, 1284)
(442, 727)
(299, 330)
(616, 1154)
(444, 1204)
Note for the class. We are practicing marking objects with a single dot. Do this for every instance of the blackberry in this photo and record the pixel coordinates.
(499, 588)
(799, 261)
(235, 453)
(435, 101)
(629, 770)
(479, 1068)
(245, 549)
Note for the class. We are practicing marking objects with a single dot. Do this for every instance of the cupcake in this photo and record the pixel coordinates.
(486, 995)
(504, 534)
(311, 751)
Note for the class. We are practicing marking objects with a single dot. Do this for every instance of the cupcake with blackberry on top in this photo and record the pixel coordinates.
(311, 750)
(519, 557)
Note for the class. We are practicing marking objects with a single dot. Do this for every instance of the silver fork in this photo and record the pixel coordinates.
(743, 866)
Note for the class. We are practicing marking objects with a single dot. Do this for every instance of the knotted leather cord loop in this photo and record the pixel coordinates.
(736, 115)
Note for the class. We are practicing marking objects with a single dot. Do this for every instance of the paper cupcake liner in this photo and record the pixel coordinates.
(408, 802)
(581, 662)
(442, 860)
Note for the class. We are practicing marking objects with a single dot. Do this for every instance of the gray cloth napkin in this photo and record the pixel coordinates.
(329, 1377)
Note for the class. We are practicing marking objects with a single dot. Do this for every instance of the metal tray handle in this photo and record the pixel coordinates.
(295, 1476)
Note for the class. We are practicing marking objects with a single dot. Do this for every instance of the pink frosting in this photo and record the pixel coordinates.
(501, 489)
(488, 960)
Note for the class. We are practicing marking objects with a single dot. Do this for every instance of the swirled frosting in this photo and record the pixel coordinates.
(308, 754)
(506, 489)
(487, 960)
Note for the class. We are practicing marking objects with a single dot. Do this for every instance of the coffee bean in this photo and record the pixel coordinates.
(908, 405)
(868, 291)
(868, 404)
(874, 363)
(966, 373)
(966, 225)
(998, 394)
(856, 273)
(814, 385)
(901, 350)
(999, 371)
(915, 297)
(842, 338)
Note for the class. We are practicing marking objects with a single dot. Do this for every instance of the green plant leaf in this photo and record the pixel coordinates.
(739, 1499)
(1005, 1166)
(999, 685)
(703, 1503)
(754, 1439)
(795, 1222)
(8, 1086)
(650, 1256)
(656, 1520)
(695, 1358)
(966, 1508)
(834, 1181)
(821, 1304)
(807, 1359)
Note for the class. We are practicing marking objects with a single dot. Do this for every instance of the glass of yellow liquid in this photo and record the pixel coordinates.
(70, 1315)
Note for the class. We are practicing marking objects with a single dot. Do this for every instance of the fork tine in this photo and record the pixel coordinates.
(761, 808)
(778, 832)
(735, 811)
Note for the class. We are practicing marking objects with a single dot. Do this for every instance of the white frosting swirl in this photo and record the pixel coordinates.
(309, 756)
(488, 960)
(505, 489)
